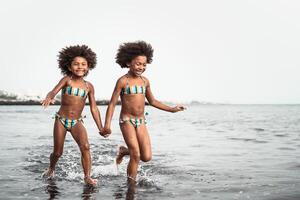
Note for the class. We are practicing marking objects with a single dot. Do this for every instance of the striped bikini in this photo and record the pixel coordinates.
(132, 90)
(135, 89)
(68, 123)
(136, 122)
(72, 91)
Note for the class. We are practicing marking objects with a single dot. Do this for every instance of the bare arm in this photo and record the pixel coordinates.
(112, 104)
(50, 96)
(157, 104)
(94, 108)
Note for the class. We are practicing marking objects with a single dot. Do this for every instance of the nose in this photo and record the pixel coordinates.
(81, 65)
(141, 67)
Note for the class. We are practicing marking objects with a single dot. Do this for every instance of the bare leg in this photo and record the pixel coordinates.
(59, 134)
(80, 136)
(122, 151)
(129, 135)
(144, 143)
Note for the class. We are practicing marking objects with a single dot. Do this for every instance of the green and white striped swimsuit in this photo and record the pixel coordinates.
(132, 90)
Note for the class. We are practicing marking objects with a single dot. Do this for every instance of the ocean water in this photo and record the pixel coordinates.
(205, 152)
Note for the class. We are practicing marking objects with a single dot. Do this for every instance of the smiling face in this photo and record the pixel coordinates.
(79, 67)
(138, 65)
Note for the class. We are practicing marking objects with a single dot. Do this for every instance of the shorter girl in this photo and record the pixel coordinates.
(133, 88)
(75, 63)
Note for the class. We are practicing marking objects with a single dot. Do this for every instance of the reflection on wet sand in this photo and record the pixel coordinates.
(129, 193)
(52, 189)
(88, 192)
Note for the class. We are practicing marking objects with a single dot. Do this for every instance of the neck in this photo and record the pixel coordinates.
(131, 74)
(74, 77)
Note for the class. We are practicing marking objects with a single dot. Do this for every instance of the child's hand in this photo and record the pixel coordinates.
(178, 108)
(46, 102)
(101, 131)
(105, 132)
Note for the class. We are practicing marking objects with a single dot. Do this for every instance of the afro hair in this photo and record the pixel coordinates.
(130, 50)
(67, 54)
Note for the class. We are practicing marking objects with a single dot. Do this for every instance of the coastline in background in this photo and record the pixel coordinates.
(7, 98)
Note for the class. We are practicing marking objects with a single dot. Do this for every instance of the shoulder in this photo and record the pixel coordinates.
(122, 81)
(65, 79)
(90, 85)
(146, 80)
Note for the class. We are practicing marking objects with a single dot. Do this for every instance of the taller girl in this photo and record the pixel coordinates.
(133, 88)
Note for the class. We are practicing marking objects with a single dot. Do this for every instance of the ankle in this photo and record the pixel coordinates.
(87, 178)
(131, 178)
(50, 170)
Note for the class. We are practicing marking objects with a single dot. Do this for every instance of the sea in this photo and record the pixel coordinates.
(205, 152)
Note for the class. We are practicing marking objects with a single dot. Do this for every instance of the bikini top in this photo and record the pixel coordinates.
(135, 89)
(75, 91)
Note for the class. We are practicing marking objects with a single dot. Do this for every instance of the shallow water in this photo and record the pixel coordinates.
(206, 152)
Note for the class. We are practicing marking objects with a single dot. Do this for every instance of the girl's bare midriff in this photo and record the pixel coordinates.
(71, 106)
(133, 105)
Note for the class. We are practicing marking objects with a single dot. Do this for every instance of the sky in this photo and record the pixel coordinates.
(235, 51)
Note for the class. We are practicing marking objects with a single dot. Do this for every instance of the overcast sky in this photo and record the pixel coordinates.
(214, 50)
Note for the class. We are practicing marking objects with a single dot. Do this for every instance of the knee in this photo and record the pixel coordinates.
(146, 158)
(135, 155)
(84, 147)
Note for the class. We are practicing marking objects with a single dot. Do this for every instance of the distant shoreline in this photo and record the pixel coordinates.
(38, 103)
(106, 102)
(35, 103)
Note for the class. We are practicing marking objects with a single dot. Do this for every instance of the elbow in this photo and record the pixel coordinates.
(94, 109)
(112, 104)
(152, 102)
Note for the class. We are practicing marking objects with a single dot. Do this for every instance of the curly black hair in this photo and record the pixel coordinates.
(130, 50)
(67, 54)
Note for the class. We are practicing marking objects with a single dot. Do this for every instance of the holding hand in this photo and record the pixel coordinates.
(105, 132)
(178, 108)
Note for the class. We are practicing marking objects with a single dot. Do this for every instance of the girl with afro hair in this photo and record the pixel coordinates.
(74, 63)
(133, 89)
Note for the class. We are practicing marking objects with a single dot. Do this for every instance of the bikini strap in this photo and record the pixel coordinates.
(127, 80)
(143, 81)
(87, 85)
(69, 81)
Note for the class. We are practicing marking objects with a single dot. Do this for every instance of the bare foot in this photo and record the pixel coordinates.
(122, 151)
(48, 174)
(90, 182)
